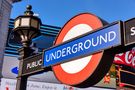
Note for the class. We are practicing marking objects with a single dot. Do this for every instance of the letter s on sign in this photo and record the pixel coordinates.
(132, 31)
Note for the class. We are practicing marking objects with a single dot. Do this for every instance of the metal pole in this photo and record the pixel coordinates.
(21, 83)
(22, 80)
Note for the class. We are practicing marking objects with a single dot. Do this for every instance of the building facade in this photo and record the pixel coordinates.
(5, 10)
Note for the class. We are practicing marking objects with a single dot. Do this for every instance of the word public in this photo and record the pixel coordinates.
(34, 64)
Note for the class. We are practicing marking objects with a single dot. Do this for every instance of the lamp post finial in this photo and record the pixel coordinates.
(28, 10)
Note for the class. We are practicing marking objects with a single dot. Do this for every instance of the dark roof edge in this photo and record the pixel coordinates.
(14, 1)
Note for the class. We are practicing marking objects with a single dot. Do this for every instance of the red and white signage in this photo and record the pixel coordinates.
(127, 58)
(76, 72)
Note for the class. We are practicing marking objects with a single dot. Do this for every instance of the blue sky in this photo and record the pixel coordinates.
(58, 12)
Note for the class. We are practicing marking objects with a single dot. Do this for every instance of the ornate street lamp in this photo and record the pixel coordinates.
(26, 27)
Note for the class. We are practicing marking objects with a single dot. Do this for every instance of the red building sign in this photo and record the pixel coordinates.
(126, 58)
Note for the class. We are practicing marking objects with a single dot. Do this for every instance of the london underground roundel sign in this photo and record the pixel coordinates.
(85, 71)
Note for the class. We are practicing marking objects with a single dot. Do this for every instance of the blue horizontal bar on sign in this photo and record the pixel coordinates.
(104, 38)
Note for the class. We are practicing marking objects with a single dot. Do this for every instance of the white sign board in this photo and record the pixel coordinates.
(10, 84)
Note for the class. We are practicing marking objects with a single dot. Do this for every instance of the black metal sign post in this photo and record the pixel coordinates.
(22, 80)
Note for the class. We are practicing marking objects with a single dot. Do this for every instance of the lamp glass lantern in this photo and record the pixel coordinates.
(27, 26)
(25, 21)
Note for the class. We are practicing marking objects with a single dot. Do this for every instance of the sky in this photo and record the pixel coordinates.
(58, 12)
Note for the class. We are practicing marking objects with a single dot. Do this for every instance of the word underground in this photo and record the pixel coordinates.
(85, 44)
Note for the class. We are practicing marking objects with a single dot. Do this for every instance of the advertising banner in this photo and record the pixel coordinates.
(125, 68)
(126, 58)
(10, 84)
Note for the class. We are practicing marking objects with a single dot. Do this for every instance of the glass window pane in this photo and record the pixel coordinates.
(17, 23)
(34, 23)
(25, 22)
